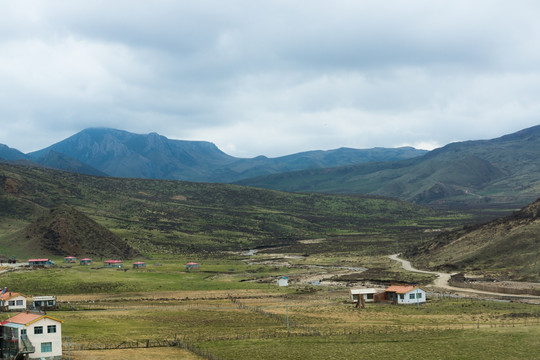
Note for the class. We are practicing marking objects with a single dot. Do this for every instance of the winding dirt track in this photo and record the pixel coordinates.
(442, 282)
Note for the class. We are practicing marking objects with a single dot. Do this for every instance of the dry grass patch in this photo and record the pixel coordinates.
(135, 354)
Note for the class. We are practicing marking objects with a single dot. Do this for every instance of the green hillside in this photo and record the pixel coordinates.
(485, 173)
(159, 216)
(506, 247)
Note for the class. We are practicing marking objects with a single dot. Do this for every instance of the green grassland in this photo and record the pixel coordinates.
(217, 310)
(172, 217)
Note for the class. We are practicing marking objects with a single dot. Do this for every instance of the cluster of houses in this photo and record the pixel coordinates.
(394, 294)
(84, 262)
(29, 334)
(119, 264)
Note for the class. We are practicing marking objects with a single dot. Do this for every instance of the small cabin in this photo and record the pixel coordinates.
(40, 262)
(283, 281)
(405, 294)
(192, 265)
(47, 302)
(70, 259)
(85, 261)
(139, 265)
(366, 295)
(113, 264)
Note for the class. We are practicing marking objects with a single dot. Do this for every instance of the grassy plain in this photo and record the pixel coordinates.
(217, 311)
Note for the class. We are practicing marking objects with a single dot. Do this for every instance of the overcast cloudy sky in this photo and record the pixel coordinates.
(270, 77)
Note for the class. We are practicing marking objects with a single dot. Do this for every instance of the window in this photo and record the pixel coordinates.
(418, 295)
(23, 331)
(11, 302)
(38, 330)
(51, 329)
(370, 296)
(46, 347)
(411, 296)
(402, 296)
(19, 302)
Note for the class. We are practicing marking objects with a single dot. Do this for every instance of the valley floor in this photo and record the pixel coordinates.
(441, 283)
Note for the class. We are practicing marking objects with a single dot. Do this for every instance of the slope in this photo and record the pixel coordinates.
(466, 174)
(159, 216)
(505, 245)
(65, 231)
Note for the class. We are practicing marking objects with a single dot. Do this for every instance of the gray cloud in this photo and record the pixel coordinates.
(270, 78)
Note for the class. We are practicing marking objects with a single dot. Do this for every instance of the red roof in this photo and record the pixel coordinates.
(8, 295)
(401, 289)
(113, 261)
(27, 318)
(86, 259)
(69, 257)
(35, 260)
(138, 263)
(192, 263)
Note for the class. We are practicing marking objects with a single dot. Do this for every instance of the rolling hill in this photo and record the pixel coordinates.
(168, 217)
(63, 230)
(484, 173)
(122, 154)
(507, 245)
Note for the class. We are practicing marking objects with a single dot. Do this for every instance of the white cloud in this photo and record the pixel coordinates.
(270, 78)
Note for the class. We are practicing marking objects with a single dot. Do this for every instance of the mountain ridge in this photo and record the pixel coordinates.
(123, 154)
(470, 173)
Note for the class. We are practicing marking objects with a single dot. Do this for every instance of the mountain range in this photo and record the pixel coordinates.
(102, 151)
(501, 172)
(485, 173)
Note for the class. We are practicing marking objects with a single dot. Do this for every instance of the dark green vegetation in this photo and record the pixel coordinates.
(499, 173)
(64, 230)
(507, 247)
(157, 216)
(123, 154)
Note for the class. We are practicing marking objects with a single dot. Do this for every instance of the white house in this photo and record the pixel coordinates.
(12, 301)
(405, 294)
(283, 281)
(44, 302)
(35, 335)
(367, 294)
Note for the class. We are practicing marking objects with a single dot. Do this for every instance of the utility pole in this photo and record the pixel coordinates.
(69, 347)
(288, 328)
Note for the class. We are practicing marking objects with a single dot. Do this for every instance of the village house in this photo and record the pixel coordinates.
(46, 302)
(85, 261)
(367, 295)
(405, 294)
(12, 301)
(113, 264)
(192, 265)
(283, 281)
(139, 265)
(32, 336)
(70, 259)
(40, 262)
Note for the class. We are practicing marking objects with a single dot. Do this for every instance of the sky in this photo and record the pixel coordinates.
(270, 77)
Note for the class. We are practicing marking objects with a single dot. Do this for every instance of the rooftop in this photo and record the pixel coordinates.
(8, 295)
(401, 289)
(27, 318)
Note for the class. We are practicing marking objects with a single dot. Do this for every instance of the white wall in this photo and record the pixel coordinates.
(408, 300)
(37, 339)
(16, 307)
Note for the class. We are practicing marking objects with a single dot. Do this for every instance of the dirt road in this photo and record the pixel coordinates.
(442, 282)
